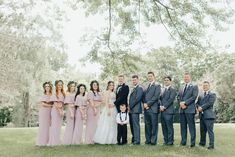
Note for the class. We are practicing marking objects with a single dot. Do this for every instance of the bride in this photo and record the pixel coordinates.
(106, 132)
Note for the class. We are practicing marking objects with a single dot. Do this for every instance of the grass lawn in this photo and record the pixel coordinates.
(17, 142)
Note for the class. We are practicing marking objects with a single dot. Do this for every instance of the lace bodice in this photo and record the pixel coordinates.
(110, 97)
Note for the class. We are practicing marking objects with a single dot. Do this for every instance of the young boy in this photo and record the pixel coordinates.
(122, 121)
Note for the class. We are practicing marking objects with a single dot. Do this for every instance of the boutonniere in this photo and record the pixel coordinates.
(190, 85)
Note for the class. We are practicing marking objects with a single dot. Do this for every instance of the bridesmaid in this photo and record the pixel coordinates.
(70, 111)
(44, 115)
(93, 112)
(81, 113)
(56, 114)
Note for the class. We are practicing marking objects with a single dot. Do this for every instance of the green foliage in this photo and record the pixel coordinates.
(5, 115)
(224, 82)
(186, 22)
(31, 53)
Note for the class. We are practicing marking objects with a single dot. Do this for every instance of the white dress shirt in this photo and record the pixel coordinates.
(123, 119)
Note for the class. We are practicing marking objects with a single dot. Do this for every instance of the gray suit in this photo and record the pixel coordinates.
(187, 116)
(151, 97)
(167, 100)
(207, 117)
(135, 103)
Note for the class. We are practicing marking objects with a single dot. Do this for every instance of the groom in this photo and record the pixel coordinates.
(135, 103)
(122, 92)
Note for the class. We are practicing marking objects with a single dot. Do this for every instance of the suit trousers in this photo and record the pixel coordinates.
(151, 127)
(167, 128)
(122, 134)
(187, 120)
(135, 127)
(206, 125)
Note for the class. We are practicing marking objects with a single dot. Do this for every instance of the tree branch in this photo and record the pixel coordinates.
(139, 14)
(160, 17)
(110, 27)
(182, 37)
(167, 7)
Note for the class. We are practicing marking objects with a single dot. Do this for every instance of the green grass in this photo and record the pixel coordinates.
(17, 142)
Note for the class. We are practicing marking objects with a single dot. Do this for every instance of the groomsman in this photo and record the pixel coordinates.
(135, 104)
(151, 109)
(122, 92)
(206, 114)
(187, 96)
(167, 98)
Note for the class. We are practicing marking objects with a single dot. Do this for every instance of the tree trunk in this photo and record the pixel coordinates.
(26, 106)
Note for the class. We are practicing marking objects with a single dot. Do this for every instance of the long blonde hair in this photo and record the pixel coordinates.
(56, 87)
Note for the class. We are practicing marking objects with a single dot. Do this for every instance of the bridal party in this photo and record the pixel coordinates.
(109, 116)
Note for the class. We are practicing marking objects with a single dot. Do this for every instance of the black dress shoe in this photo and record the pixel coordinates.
(202, 145)
(170, 144)
(210, 147)
(153, 144)
(147, 143)
(132, 140)
(183, 144)
(192, 145)
(136, 143)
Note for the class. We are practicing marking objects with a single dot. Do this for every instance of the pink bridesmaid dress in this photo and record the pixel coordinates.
(81, 101)
(44, 121)
(92, 119)
(68, 134)
(56, 122)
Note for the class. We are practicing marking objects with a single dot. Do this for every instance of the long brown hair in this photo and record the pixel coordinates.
(78, 90)
(91, 86)
(44, 87)
(109, 85)
(56, 87)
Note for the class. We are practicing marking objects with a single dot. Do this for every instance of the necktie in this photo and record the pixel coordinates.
(133, 90)
(163, 91)
(185, 88)
(149, 86)
(204, 94)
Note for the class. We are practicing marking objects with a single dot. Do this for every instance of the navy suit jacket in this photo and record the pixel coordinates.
(151, 97)
(189, 98)
(121, 95)
(207, 103)
(167, 100)
(135, 101)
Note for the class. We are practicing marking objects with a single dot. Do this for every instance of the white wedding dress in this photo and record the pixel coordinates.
(106, 132)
